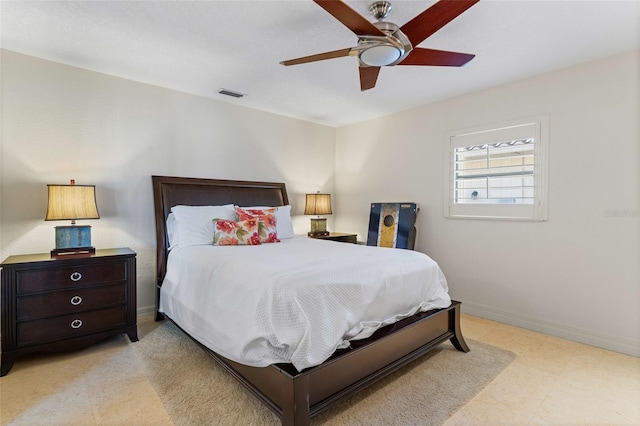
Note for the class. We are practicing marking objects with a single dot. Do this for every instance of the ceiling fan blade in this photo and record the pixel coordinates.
(420, 56)
(349, 17)
(318, 57)
(434, 18)
(368, 77)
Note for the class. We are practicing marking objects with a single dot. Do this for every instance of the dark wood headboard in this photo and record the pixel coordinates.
(171, 191)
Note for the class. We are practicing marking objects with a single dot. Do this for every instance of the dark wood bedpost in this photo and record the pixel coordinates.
(161, 239)
(454, 318)
(295, 410)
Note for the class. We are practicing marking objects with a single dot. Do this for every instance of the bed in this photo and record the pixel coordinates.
(296, 395)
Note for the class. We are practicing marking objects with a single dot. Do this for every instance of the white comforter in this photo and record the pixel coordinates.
(296, 301)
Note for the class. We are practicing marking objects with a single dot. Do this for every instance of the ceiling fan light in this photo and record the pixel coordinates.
(378, 56)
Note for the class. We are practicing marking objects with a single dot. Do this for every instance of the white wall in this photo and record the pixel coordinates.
(61, 123)
(575, 275)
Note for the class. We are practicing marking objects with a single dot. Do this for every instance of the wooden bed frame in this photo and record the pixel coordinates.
(297, 396)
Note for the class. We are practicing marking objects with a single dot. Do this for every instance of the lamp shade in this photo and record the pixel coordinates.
(71, 202)
(318, 204)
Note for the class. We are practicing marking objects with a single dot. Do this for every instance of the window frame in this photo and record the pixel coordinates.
(536, 127)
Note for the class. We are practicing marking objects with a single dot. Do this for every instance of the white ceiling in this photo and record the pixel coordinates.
(201, 47)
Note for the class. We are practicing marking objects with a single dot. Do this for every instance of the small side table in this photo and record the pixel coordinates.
(63, 304)
(341, 237)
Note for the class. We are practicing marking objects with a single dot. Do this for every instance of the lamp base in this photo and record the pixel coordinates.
(318, 227)
(73, 240)
(74, 236)
(73, 251)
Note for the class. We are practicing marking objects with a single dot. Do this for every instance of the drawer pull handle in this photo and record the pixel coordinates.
(76, 323)
(76, 300)
(76, 276)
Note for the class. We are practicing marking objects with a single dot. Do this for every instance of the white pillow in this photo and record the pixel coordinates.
(284, 227)
(172, 231)
(195, 223)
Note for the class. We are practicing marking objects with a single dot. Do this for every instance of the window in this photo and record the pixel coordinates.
(498, 172)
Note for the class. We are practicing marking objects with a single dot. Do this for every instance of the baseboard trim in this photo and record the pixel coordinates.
(588, 337)
(146, 311)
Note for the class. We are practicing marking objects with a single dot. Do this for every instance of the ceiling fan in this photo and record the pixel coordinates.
(385, 44)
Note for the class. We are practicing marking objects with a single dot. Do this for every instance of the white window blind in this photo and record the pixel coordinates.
(498, 172)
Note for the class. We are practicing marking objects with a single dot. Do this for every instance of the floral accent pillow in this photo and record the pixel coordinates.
(230, 233)
(266, 222)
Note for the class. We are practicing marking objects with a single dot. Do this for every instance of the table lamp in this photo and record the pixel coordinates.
(72, 202)
(317, 204)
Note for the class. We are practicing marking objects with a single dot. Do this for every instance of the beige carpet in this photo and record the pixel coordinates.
(196, 391)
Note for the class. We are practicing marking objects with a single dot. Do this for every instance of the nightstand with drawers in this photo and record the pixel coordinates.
(66, 303)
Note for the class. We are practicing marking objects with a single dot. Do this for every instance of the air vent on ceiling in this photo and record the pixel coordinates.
(230, 93)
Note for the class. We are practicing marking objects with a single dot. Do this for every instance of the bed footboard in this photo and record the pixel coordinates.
(297, 396)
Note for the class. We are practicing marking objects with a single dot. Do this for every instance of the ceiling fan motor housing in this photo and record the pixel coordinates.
(380, 9)
(379, 51)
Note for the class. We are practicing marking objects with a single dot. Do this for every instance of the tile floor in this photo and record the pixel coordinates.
(551, 382)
